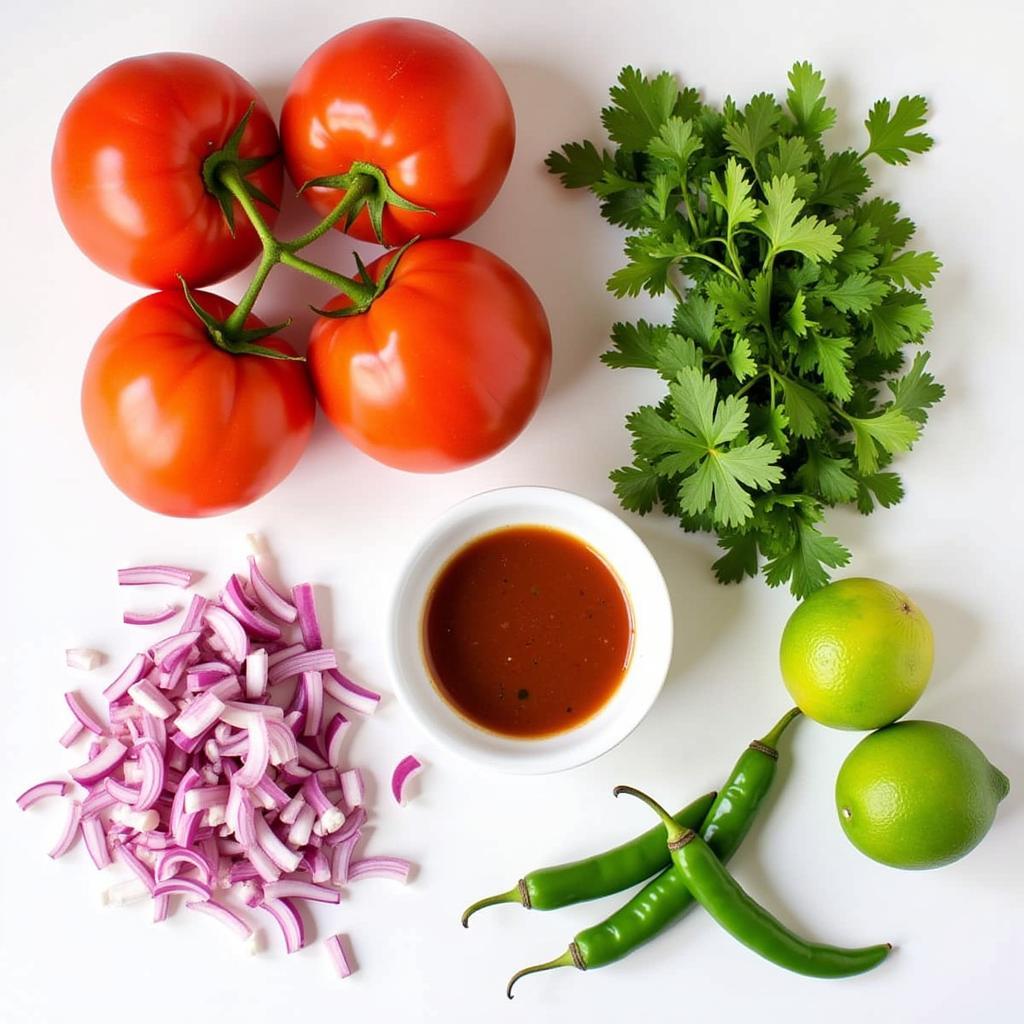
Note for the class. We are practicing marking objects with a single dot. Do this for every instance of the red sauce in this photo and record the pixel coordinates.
(527, 632)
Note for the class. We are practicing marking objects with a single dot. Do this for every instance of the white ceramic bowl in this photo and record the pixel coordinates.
(641, 580)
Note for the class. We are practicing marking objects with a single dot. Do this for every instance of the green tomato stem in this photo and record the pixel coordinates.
(360, 188)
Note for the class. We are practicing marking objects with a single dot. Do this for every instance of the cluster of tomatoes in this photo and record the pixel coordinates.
(168, 170)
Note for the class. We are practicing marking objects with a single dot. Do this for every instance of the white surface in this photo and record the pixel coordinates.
(346, 522)
(638, 575)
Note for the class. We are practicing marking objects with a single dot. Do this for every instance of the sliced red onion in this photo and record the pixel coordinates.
(121, 791)
(205, 674)
(302, 827)
(406, 769)
(111, 753)
(265, 867)
(195, 613)
(291, 811)
(228, 917)
(270, 794)
(313, 686)
(154, 729)
(227, 688)
(124, 893)
(257, 757)
(83, 658)
(71, 829)
(71, 733)
(135, 670)
(151, 618)
(135, 821)
(202, 798)
(291, 889)
(184, 887)
(170, 860)
(352, 788)
(97, 801)
(331, 817)
(309, 758)
(150, 699)
(168, 653)
(141, 872)
(52, 787)
(240, 714)
(335, 946)
(95, 837)
(86, 718)
(267, 595)
(283, 653)
(202, 714)
(256, 669)
(178, 818)
(256, 624)
(319, 867)
(350, 694)
(230, 632)
(161, 908)
(285, 859)
(380, 867)
(342, 858)
(141, 575)
(353, 823)
(283, 747)
(309, 624)
(304, 661)
(336, 730)
(289, 921)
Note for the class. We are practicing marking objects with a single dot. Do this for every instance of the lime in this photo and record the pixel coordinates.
(856, 654)
(917, 795)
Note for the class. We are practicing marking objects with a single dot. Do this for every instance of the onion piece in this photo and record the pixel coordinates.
(200, 715)
(231, 918)
(169, 860)
(292, 889)
(335, 946)
(235, 602)
(408, 768)
(331, 817)
(304, 661)
(83, 658)
(86, 718)
(230, 632)
(380, 867)
(302, 827)
(135, 670)
(257, 757)
(168, 611)
(124, 893)
(350, 694)
(352, 789)
(342, 858)
(184, 886)
(71, 829)
(336, 730)
(111, 753)
(169, 652)
(309, 624)
(289, 921)
(151, 761)
(313, 688)
(285, 859)
(141, 575)
(141, 872)
(161, 908)
(268, 596)
(150, 699)
(41, 790)
(256, 669)
(96, 841)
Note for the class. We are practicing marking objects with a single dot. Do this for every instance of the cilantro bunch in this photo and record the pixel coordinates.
(788, 389)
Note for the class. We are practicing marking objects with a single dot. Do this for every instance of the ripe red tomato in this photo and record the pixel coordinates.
(127, 169)
(417, 101)
(444, 369)
(183, 427)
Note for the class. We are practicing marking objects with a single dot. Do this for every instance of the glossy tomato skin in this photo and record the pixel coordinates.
(445, 368)
(127, 169)
(414, 99)
(183, 427)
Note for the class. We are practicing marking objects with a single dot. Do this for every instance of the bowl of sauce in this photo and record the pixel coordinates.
(531, 630)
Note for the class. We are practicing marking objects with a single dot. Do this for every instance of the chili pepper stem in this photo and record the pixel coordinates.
(771, 738)
(565, 960)
(512, 896)
(674, 831)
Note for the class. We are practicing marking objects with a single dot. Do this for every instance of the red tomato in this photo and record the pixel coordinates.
(127, 169)
(183, 427)
(444, 369)
(417, 101)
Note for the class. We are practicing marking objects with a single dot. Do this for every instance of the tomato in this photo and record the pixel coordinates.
(417, 101)
(183, 427)
(127, 169)
(446, 366)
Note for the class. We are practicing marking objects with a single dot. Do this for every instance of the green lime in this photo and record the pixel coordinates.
(917, 795)
(856, 654)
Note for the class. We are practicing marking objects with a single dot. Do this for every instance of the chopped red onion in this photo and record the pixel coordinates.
(256, 668)
(336, 951)
(161, 908)
(267, 595)
(52, 787)
(313, 687)
(336, 729)
(133, 672)
(235, 603)
(289, 921)
(154, 574)
(71, 733)
(141, 872)
(150, 699)
(352, 787)
(168, 653)
(353, 823)
(406, 769)
(71, 829)
(257, 756)
(342, 858)
(283, 747)
(111, 753)
(283, 653)
(230, 632)
(200, 799)
(206, 674)
(170, 860)
(200, 715)
(124, 893)
(95, 837)
(380, 867)
(231, 918)
(331, 818)
(305, 661)
(285, 859)
(151, 618)
(291, 889)
(184, 886)
(302, 826)
(83, 658)
(309, 624)
(86, 718)
(350, 694)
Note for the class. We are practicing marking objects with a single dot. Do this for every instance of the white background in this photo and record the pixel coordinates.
(347, 522)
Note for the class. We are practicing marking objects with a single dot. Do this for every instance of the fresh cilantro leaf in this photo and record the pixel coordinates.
(855, 293)
(579, 164)
(733, 301)
(796, 318)
(647, 270)
(716, 483)
(675, 143)
(787, 231)
(917, 269)
(900, 318)
(791, 157)
(655, 436)
(740, 361)
(695, 318)
(916, 392)
(675, 354)
(891, 132)
(806, 101)
(891, 431)
(827, 476)
(732, 194)
(841, 179)
(636, 487)
(635, 344)
(806, 412)
(804, 563)
(755, 131)
(740, 558)
(640, 106)
(885, 488)
(883, 215)
(773, 423)
(831, 356)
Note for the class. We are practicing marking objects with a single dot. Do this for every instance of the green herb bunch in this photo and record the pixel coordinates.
(788, 389)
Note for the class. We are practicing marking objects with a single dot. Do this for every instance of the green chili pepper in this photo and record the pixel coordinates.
(664, 899)
(743, 918)
(600, 875)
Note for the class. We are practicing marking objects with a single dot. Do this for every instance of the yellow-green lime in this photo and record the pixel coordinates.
(917, 795)
(856, 654)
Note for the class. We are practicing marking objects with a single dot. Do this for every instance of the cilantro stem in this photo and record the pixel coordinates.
(753, 380)
(712, 260)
